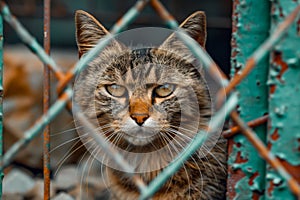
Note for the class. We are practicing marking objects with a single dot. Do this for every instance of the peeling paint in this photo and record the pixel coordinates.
(284, 104)
(246, 179)
(275, 135)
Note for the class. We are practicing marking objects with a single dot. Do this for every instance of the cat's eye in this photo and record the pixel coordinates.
(116, 90)
(164, 90)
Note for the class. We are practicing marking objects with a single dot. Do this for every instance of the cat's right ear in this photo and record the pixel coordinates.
(194, 26)
(88, 31)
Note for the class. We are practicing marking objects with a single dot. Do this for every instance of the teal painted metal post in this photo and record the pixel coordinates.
(284, 104)
(1, 100)
(246, 173)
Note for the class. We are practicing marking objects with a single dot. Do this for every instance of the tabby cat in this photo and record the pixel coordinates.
(146, 99)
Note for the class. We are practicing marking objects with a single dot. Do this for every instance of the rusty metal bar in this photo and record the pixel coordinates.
(34, 131)
(29, 41)
(1, 101)
(164, 13)
(262, 51)
(284, 105)
(32, 44)
(57, 106)
(266, 154)
(236, 129)
(55, 109)
(46, 100)
(129, 16)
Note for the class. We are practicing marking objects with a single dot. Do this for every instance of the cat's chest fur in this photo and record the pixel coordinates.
(198, 179)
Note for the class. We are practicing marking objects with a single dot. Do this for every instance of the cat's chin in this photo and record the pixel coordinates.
(138, 141)
(139, 136)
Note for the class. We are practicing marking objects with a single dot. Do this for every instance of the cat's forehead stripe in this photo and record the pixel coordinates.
(148, 65)
(140, 66)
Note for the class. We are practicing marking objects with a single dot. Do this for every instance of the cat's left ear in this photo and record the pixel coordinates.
(88, 31)
(194, 26)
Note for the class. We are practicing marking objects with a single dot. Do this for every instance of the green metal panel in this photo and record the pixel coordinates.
(284, 104)
(246, 173)
(1, 101)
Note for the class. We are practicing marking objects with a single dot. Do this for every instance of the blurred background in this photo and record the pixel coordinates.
(23, 79)
(30, 13)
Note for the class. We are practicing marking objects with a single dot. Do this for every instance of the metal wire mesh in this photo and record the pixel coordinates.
(65, 91)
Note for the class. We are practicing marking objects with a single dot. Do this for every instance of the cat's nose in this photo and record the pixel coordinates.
(139, 118)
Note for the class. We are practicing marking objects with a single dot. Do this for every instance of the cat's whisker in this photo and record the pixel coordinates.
(68, 156)
(204, 146)
(167, 140)
(82, 165)
(81, 160)
(108, 138)
(188, 179)
(69, 150)
(64, 128)
(117, 137)
(66, 142)
(109, 130)
(175, 139)
(178, 133)
(199, 170)
(104, 174)
(214, 157)
(108, 125)
(186, 129)
(172, 144)
(65, 131)
(192, 157)
(184, 167)
(207, 163)
(218, 146)
(153, 145)
(184, 138)
(82, 180)
(201, 160)
(210, 167)
(91, 163)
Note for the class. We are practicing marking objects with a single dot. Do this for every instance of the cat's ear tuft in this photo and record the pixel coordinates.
(88, 31)
(195, 27)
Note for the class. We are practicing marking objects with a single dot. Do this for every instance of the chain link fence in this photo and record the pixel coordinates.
(262, 89)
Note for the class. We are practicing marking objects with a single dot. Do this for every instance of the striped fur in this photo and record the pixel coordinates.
(129, 119)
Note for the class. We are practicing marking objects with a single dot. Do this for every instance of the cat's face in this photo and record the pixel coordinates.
(143, 98)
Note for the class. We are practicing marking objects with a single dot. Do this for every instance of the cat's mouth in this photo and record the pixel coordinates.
(140, 136)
